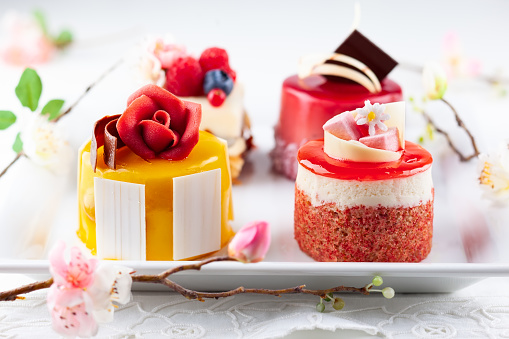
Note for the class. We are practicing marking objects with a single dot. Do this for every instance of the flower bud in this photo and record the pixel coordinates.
(434, 81)
(251, 243)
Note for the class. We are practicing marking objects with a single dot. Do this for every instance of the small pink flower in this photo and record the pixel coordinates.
(24, 41)
(83, 293)
(457, 64)
(158, 54)
(79, 272)
(251, 243)
(167, 53)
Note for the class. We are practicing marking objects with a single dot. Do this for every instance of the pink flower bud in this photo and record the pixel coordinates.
(251, 243)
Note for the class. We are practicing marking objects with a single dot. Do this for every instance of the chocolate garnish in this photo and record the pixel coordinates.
(99, 137)
(361, 48)
(112, 142)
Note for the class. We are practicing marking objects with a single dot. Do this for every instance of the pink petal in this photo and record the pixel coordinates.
(58, 266)
(71, 312)
(81, 270)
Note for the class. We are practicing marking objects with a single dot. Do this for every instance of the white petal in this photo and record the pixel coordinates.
(102, 289)
(382, 126)
(371, 129)
(362, 121)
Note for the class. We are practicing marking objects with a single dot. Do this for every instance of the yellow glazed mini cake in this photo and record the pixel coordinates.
(154, 194)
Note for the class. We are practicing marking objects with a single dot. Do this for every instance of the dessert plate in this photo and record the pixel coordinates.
(465, 248)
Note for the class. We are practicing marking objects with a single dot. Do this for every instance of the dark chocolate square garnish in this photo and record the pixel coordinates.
(361, 48)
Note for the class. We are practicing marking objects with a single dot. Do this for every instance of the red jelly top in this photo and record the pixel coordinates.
(306, 104)
(415, 159)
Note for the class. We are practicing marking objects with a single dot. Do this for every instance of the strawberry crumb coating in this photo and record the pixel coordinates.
(360, 233)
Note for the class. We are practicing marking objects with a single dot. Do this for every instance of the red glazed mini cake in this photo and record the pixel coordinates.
(320, 91)
(362, 193)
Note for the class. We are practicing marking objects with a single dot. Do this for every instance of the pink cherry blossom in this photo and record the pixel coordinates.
(251, 243)
(79, 272)
(24, 42)
(167, 53)
(457, 64)
(158, 54)
(83, 292)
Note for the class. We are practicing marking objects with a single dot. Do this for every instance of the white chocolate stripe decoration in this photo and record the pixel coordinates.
(196, 214)
(120, 220)
(315, 64)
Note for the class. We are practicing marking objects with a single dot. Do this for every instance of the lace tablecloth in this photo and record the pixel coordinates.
(481, 310)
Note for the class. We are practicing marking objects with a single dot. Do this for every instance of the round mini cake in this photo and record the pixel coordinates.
(355, 202)
(151, 186)
(320, 91)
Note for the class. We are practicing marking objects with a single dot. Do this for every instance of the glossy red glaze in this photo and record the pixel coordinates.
(415, 159)
(306, 104)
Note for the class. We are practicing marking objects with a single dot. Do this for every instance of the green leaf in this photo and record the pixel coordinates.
(53, 108)
(7, 118)
(29, 89)
(63, 39)
(41, 20)
(18, 144)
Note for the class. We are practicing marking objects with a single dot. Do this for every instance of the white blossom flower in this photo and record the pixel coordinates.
(372, 115)
(112, 283)
(434, 80)
(494, 175)
(44, 144)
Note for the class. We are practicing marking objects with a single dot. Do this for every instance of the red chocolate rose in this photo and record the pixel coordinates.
(156, 124)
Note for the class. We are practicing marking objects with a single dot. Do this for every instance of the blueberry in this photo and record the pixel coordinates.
(217, 78)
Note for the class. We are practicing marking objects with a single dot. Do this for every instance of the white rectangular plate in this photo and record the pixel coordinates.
(264, 195)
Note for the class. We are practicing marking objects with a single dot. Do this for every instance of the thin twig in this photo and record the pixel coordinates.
(13, 294)
(162, 279)
(462, 125)
(68, 110)
(449, 140)
(108, 71)
(19, 155)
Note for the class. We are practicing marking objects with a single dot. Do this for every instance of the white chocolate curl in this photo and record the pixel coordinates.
(315, 64)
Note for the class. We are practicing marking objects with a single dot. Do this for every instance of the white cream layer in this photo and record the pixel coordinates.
(401, 192)
(226, 120)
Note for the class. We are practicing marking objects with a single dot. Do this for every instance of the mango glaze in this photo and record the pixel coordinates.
(157, 176)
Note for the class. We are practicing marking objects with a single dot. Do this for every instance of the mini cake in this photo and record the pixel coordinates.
(362, 193)
(210, 82)
(151, 186)
(326, 86)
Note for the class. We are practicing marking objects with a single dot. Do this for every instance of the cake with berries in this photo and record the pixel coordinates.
(211, 82)
(362, 193)
(326, 86)
(151, 186)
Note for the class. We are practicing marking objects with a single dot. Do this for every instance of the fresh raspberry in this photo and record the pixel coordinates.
(185, 77)
(216, 58)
